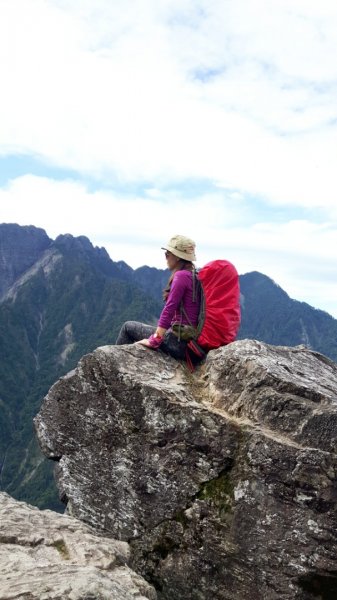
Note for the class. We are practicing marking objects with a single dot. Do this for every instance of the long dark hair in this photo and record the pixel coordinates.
(183, 265)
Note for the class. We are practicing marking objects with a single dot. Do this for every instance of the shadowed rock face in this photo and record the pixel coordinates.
(223, 482)
(47, 555)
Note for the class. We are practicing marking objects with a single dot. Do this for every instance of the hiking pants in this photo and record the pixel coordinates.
(133, 331)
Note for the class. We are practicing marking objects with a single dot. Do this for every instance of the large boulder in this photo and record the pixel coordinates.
(223, 481)
(48, 556)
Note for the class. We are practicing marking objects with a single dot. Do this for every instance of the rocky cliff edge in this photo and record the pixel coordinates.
(223, 481)
(48, 556)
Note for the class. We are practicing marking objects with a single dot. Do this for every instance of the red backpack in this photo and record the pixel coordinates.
(219, 318)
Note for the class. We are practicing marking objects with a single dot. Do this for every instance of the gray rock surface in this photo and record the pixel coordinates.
(48, 556)
(223, 482)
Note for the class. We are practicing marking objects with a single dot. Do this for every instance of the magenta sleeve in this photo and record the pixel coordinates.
(179, 284)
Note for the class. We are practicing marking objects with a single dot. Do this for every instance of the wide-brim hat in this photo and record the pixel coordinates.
(182, 247)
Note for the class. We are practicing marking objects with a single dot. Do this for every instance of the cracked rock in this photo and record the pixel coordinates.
(223, 482)
(48, 556)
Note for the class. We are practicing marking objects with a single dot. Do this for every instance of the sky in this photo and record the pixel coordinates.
(130, 121)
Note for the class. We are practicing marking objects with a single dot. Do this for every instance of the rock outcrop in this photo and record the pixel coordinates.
(48, 556)
(223, 482)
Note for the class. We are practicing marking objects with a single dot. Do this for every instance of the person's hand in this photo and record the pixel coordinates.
(153, 341)
(144, 342)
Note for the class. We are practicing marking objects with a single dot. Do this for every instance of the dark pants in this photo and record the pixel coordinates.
(133, 331)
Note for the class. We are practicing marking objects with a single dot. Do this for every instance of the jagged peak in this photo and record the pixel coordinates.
(23, 229)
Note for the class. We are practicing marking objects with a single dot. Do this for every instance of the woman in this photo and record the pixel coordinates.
(182, 304)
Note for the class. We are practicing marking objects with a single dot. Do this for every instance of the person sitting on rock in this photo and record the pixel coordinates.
(182, 304)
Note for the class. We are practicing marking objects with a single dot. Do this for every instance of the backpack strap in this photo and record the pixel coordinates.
(196, 289)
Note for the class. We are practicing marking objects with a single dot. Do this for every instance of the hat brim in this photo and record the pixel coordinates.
(183, 255)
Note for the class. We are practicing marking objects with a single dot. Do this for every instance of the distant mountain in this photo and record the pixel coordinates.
(20, 247)
(152, 281)
(72, 299)
(270, 315)
(61, 299)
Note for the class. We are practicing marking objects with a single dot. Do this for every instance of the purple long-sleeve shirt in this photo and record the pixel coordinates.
(181, 292)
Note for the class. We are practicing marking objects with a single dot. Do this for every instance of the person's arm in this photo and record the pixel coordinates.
(178, 287)
(173, 301)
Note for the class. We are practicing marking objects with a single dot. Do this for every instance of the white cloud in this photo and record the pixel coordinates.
(67, 206)
(240, 92)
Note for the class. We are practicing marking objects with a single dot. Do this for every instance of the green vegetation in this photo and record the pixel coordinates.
(219, 492)
(53, 320)
(62, 549)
